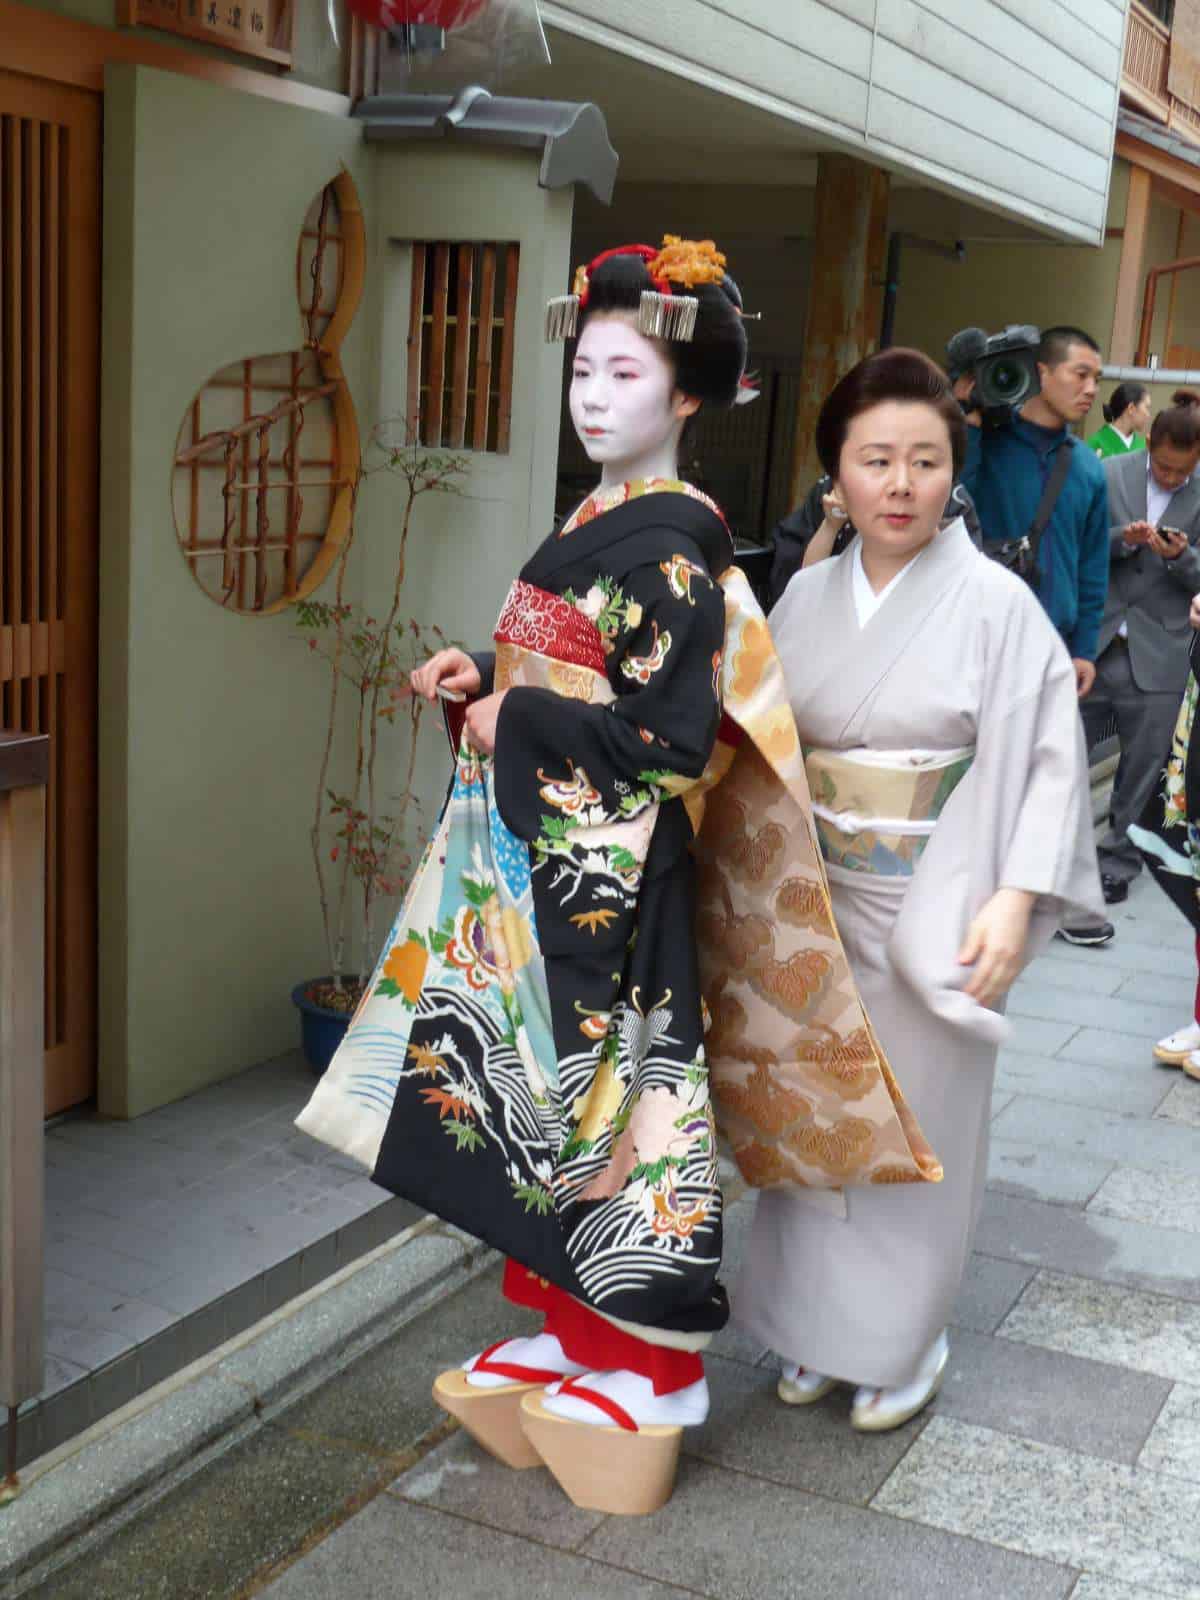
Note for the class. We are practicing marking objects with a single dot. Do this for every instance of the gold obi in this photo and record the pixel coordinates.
(875, 811)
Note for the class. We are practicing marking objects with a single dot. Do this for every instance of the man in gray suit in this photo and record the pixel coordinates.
(1142, 660)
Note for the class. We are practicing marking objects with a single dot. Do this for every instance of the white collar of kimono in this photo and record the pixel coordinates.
(867, 601)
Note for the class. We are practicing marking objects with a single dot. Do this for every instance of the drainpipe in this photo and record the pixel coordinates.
(891, 288)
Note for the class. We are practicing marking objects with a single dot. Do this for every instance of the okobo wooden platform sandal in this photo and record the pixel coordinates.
(491, 1415)
(626, 1469)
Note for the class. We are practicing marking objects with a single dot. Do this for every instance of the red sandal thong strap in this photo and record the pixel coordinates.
(574, 1386)
(512, 1369)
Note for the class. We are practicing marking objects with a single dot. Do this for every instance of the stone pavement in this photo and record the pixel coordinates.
(1061, 1460)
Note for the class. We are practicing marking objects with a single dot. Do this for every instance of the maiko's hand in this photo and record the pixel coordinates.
(450, 669)
(1085, 676)
(995, 944)
(481, 719)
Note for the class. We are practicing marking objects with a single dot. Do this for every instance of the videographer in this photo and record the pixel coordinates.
(1041, 493)
(1009, 465)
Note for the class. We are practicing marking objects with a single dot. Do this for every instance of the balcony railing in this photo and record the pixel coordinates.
(1147, 58)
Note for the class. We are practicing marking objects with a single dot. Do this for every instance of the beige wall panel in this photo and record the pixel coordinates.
(995, 55)
(965, 95)
(210, 722)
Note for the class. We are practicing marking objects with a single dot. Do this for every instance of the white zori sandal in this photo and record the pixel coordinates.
(485, 1394)
(1174, 1050)
(603, 1457)
(880, 1410)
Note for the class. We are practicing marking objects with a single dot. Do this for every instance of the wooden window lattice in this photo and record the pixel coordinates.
(267, 456)
(460, 345)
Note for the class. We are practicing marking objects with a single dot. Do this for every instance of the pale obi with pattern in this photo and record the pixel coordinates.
(876, 810)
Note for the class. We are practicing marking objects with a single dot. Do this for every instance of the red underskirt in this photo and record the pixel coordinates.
(593, 1342)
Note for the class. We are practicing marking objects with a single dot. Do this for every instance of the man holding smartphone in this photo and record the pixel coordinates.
(1142, 657)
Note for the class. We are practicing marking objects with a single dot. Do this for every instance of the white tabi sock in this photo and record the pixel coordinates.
(684, 1408)
(542, 1351)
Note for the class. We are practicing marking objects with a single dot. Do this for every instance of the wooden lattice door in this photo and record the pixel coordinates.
(49, 366)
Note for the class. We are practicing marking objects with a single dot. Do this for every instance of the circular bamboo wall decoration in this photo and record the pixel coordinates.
(268, 454)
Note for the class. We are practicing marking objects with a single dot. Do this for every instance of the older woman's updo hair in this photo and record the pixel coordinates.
(709, 366)
(908, 376)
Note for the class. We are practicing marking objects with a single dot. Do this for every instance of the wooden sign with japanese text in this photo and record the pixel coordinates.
(252, 27)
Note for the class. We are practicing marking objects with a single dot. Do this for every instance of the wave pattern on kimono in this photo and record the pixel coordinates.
(529, 1060)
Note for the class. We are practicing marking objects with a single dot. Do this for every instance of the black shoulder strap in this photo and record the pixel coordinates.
(1050, 494)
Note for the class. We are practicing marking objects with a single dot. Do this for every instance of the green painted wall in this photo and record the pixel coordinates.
(209, 721)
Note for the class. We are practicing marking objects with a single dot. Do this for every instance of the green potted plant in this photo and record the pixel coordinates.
(366, 838)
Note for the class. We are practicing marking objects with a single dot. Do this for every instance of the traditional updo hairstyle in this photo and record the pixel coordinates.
(1122, 397)
(710, 363)
(1184, 397)
(907, 376)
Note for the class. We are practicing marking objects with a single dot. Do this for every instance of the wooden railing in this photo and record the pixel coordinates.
(1145, 74)
(24, 768)
(1144, 71)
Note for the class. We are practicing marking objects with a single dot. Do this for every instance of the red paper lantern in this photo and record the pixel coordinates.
(432, 13)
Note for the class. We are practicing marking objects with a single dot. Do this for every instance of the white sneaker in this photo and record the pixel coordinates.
(800, 1387)
(1178, 1046)
(880, 1410)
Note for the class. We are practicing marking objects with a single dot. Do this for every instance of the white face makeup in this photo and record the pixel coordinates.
(624, 404)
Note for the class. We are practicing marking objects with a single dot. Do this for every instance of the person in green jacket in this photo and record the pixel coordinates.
(1126, 421)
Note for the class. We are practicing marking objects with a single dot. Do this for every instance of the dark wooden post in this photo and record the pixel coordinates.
(845, 297)
(24, 766)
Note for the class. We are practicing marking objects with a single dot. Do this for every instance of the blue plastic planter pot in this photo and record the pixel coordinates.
(321, 1030)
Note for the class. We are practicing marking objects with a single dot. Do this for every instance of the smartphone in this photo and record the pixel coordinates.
(1171, 533)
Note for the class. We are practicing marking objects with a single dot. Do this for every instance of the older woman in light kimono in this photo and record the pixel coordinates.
(937, 708)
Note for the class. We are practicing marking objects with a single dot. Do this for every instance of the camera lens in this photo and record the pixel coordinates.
(1005, 378)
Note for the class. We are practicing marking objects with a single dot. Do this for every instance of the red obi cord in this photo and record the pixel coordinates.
(591, 1341)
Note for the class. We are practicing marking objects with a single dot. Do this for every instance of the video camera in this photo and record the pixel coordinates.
(1004, 366)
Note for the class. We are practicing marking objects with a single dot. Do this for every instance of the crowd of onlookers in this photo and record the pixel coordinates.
(1107, 531)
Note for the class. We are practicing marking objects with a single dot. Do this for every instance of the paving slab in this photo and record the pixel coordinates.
(1140, 1018)
(1173, 1447)
(460, 1477)
(1182, 1101)
(1061, 1399)
(802, 1447)
(988, 1292)
(1039, 1037)
(1123, 1327)
(1150, 1142)
(1092, 1587)
(1168, 1199)
(742, 1538)
(394, 1550)
(1121, 1522)
(1088, 1047)
(1131, 1091)
(1138, 1254)
(1022, 1167)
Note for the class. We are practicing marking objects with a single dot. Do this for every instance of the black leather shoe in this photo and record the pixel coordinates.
(1115, 889)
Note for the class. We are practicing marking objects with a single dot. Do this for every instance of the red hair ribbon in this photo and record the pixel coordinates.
(645, 251)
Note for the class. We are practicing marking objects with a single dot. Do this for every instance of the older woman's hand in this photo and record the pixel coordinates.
(995, 944)
(1194, 612)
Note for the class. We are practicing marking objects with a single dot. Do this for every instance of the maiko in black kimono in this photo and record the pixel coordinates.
(529, 1061)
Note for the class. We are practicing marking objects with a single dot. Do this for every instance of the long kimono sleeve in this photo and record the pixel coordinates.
(655, 737)
(1020, 819)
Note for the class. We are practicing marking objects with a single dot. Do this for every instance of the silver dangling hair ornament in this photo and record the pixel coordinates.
(660, 316)
(668, 316)
(562, 318)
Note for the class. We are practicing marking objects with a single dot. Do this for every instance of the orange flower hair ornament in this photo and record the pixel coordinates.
(663, 313)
